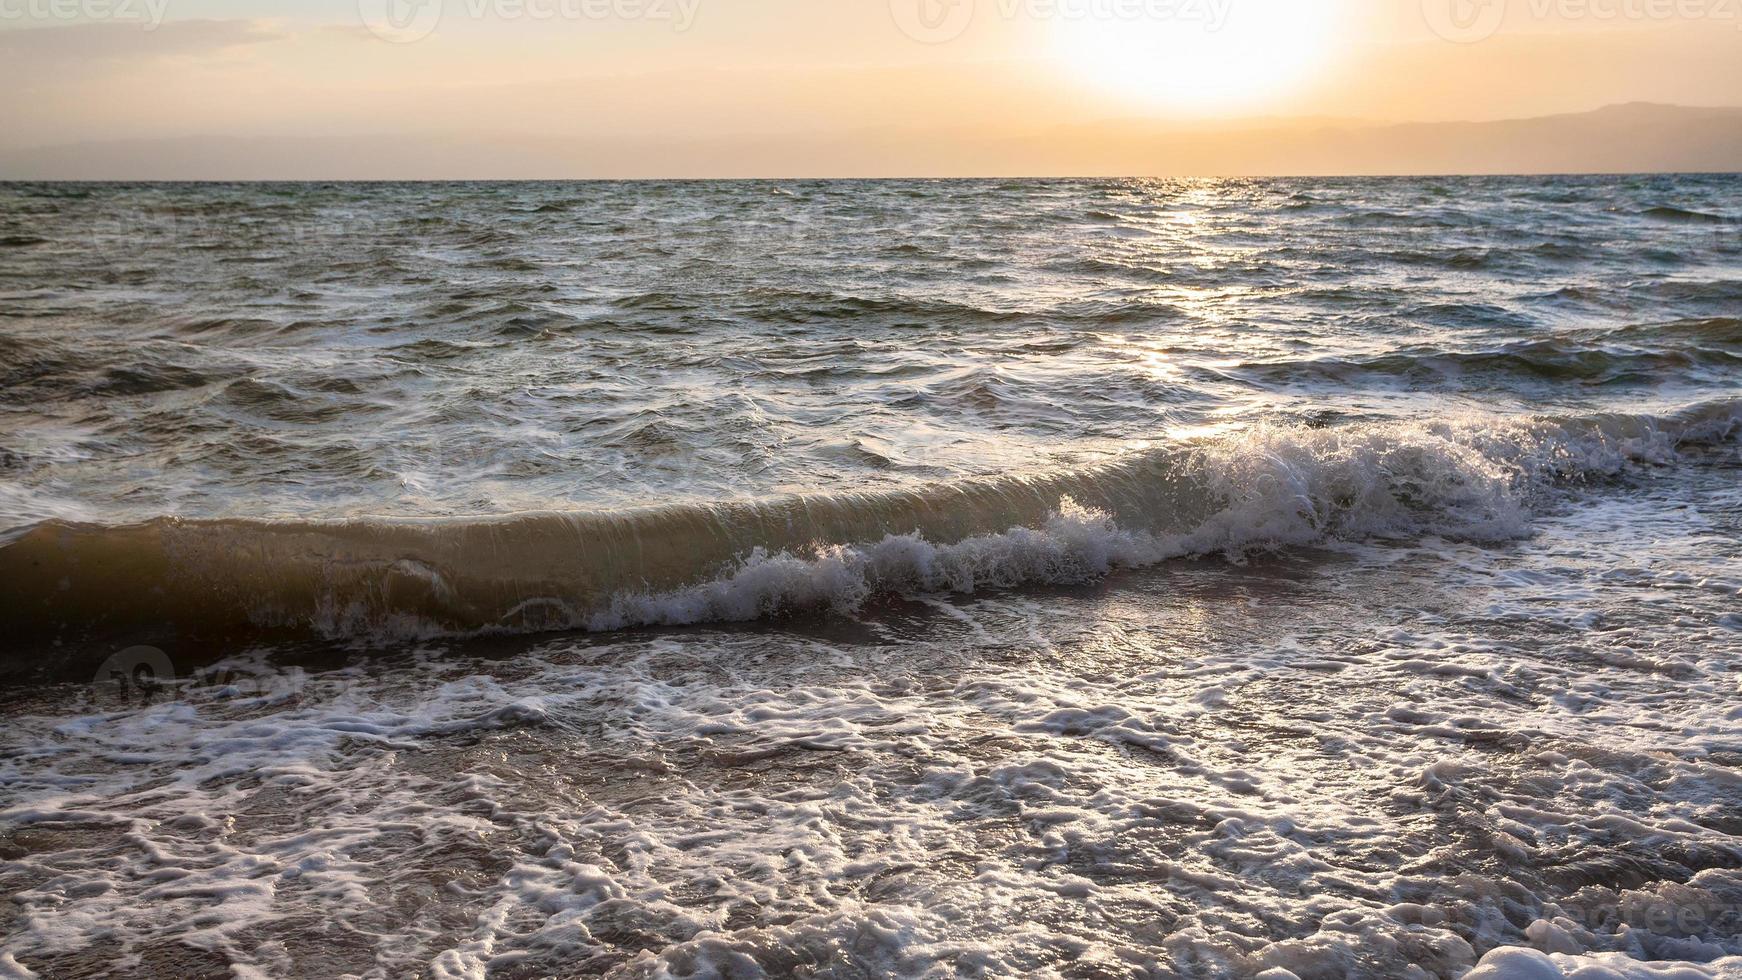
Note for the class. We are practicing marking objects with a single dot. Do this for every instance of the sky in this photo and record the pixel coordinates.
(637, 81)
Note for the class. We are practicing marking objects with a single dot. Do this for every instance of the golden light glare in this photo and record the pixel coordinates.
(1199, 57)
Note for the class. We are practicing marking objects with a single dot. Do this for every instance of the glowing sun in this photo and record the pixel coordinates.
(1197, 55)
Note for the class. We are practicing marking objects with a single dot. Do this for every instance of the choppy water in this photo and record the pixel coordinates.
(1070, 578)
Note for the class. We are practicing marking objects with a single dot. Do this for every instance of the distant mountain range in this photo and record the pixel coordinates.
(1636, 137)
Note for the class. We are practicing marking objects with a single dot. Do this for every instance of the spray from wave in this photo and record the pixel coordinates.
(86, 586)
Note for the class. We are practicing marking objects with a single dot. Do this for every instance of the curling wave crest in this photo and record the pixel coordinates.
(1476, 478)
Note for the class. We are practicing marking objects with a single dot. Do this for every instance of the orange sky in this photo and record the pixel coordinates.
(656, 72)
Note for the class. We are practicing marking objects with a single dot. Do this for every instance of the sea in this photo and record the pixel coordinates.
(1257, 578)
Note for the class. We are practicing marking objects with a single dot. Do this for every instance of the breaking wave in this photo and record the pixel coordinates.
(82, 586)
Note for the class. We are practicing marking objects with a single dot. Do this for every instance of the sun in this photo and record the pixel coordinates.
(1198, 56)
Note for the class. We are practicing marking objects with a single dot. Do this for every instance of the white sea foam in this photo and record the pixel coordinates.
(1352, 772)
(1475, 479)
(1515, 963)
